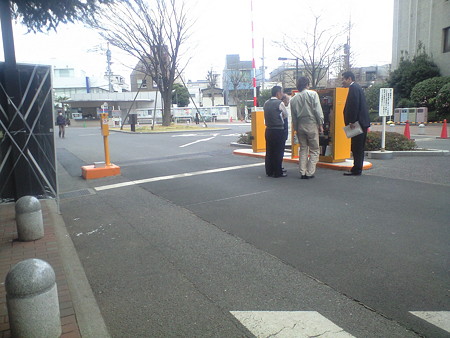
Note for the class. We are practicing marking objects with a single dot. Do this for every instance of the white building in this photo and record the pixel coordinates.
(425, 21)
(68, 81)
(202, 95)
(88, 105)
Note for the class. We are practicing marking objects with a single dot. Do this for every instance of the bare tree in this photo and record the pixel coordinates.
(211, 77)
(318, 51)
(239, 80)
(152, 33)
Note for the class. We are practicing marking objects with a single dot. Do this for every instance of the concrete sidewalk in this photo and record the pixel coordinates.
(80, 316)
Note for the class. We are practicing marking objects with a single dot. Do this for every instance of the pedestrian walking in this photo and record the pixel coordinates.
(355, 110)
(274, 109)
(307, 121)
(61, 122)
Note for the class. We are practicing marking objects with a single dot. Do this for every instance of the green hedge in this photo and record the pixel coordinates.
(424, 93)
(443, 102)
(394, 141)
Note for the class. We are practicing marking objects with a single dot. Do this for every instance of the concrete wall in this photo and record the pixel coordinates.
(419, 20)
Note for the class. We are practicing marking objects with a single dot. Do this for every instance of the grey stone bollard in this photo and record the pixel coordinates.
(32, 300)
(421, 129)
(30, 225)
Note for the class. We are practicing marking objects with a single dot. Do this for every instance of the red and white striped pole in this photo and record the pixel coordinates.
(255, 100)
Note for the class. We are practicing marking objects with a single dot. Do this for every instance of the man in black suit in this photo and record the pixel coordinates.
(355, 110)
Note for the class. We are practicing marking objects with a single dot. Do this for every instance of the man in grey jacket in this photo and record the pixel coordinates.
(307, 121)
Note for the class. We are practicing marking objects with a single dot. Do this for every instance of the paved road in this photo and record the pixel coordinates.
(235, 240)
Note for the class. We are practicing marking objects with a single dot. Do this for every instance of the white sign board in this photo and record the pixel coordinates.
(386, 104)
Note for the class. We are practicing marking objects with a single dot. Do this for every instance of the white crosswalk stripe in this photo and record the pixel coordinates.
(288, 324)
(440, 319)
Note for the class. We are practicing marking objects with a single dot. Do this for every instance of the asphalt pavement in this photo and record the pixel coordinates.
(206, 245)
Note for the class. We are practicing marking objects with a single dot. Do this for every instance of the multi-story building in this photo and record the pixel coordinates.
(138, 79)
(286, 75)
(426, 22)
(203, 95)
(237, 81)
(365, 76)
(68, 81)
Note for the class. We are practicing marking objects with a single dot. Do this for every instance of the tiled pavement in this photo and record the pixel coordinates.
(12, 251)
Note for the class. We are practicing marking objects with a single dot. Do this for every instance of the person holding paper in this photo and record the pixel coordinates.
(307, 119)
(355, 110)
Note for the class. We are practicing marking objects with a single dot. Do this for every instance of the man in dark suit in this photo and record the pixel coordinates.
(355, 110)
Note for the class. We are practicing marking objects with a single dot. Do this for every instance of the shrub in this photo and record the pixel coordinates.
(432, 116)
(373, 96)
(412, 71)
(374, 117)
(405, 103)
(424, 93)
(443, 102)
(394, 141)
(245, 138)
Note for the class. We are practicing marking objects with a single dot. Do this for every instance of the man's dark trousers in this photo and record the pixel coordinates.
(357, 147)
(275, 140)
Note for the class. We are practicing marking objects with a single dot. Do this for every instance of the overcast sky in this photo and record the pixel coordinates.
(224, 27)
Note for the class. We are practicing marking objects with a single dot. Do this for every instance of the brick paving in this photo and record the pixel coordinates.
(12, 251)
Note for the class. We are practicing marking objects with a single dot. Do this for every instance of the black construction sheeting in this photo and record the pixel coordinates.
(27, 149)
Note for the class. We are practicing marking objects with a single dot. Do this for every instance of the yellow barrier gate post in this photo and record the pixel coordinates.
(102, 169)
(258, 132)
(105, 134)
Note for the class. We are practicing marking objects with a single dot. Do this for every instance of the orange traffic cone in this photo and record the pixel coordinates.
(444, 130)
(407, 133)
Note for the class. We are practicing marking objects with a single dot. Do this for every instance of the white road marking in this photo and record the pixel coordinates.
(170, 177)
(440, 319)
(202, 140)
(184, 135)
(233, 135)
(229, 198)
(286, 324)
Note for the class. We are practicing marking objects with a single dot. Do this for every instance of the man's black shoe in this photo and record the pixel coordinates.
(282, 175)
(309, 177)
(304, 177)
(350, 173)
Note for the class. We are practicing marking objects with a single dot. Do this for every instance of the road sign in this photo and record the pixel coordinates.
(386, 103)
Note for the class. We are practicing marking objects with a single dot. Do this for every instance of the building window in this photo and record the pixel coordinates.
(447, 40)
(142, 83)
(63, 72)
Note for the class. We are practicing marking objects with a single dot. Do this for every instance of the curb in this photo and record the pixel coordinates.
(404, 123)
(419, 152)
(341, 166)
(169, 131)
(90, 321)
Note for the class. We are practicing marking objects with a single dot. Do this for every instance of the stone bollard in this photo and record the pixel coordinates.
(421, 129)
(32, 300)
(30, 225)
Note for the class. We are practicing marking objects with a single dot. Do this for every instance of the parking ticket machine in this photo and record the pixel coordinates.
(334, 144)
